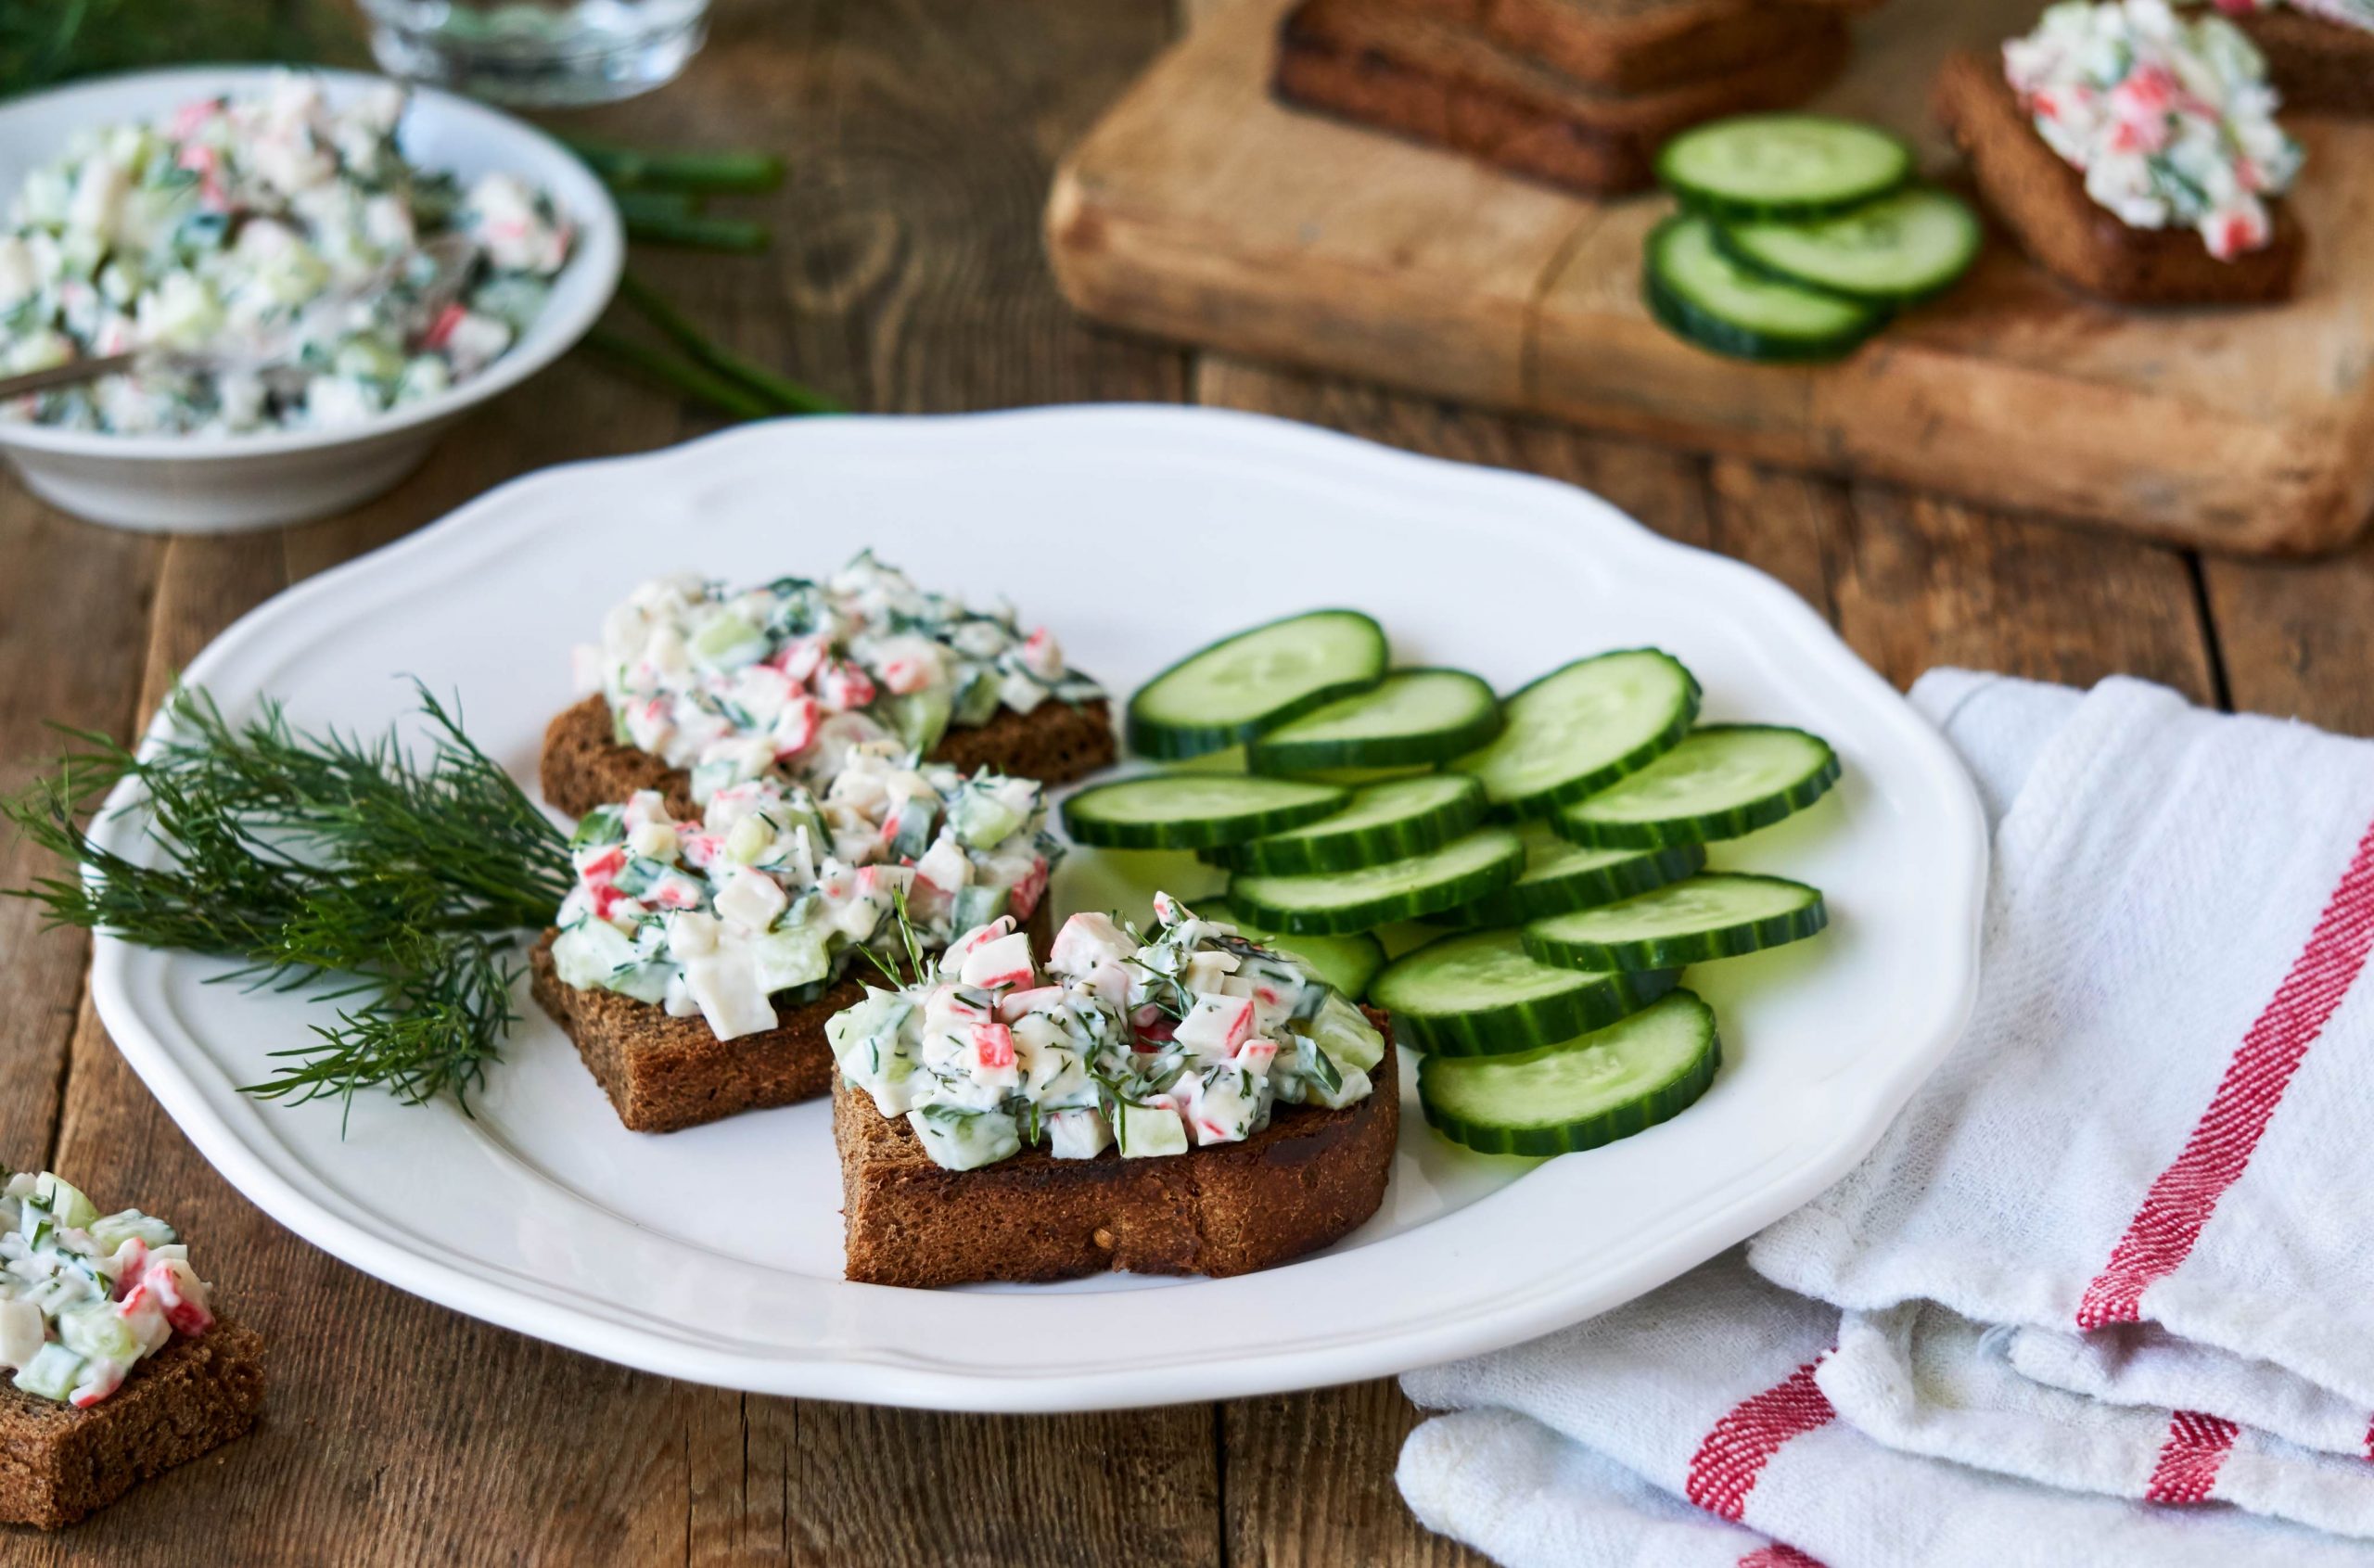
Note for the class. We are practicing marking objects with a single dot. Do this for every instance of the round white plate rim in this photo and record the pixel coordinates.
(1785, 1179)
(601, 255)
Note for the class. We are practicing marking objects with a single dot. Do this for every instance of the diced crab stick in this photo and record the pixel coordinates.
(1255, 1055)
(1005, 962)
(802, 658)
(187, 1316)
(603, 866)
(106, 1378)
(1014, 1004)
(795, 727)
(1030, 889)
(905, 674)
(949, 1000)
(841, 686)
(131, 1260)
(440, 331)
(994, 1044)
(676, 895)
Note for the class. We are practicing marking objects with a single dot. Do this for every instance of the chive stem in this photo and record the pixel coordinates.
(693, 232)
(681, 376)
(641, 169)
(787, 395)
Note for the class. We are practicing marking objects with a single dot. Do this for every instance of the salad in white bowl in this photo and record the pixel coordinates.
(375, 260)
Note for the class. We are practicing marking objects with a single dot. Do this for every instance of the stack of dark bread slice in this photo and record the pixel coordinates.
(1579, 92)
(2320, 65)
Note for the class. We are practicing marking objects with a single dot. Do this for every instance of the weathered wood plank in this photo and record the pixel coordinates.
(2298, 640)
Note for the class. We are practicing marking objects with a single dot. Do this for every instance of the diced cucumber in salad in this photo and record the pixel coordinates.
(278, 224)
(774, 891)
(84, 1296)
(1149, 1044)
(788, 677)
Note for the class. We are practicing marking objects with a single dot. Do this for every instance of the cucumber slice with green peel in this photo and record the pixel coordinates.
(1349, 963)
(1900, 249)
(1700, 293)
(1580, 728)
(1410, 716)
(1719, 915)
(1579, 1093)
(1722, 781)
(1325, 902)
(1254, 681)
(1483, 994)
(1382, 821)
(1787, 166)
(1560, 876)
(1193, 810)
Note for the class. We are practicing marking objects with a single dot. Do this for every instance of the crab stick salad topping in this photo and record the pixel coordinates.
(1151, 1044)
(2170, 119)
(279, 228)
(774, 889)
(84, 1296)
(2348, 13)
(733, 685)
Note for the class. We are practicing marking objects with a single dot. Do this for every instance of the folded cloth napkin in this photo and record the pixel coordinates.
(2120, 1231)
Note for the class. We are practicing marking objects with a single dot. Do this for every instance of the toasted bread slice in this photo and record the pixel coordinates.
(664, 1074)
(2320, 65)
(1308, 1178)
(583, 766)
(1633, 46)
(2042, 200)
(1410, 73)
(59, 1464)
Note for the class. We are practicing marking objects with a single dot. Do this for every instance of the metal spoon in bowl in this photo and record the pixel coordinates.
(455, 255)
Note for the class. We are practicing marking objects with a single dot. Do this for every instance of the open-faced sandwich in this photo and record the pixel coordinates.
(2134, 153)
(1183, 1102)
(121, 1370)
(696, 958)
(2319, 53)
(695, 688)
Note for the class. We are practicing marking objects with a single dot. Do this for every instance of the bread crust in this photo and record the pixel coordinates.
(2319, 65)
(59, 1464)
(1306, 1179)
(664, 1074)
(1408, 72)
(2042, 200)
(583, 766)
(1635, 45)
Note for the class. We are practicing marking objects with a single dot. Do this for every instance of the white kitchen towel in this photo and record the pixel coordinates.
(2141, 1364)
(1709, 1391)
(2160, 1113)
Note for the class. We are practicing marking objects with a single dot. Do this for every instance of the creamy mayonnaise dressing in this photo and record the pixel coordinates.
(276, 226)
(1154, 1044)
(84, 1296)
(2170, 119)
(776, 889)
(790, 675)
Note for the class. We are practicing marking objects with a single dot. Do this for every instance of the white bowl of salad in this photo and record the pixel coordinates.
(286, 211)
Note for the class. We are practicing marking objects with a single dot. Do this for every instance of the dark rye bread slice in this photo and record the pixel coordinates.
(1632, 45)
(2042, 200)
(59, 1464)
(1308, 1178)
(665, 1074)
(2319, 65)
(1415, 75)
(583, 766)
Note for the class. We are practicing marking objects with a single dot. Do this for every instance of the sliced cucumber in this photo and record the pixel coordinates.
(1560, 876)
(1581, 728)
(1193, 810)
(1459, 873)
(1383, 822)
(1349, 963)
(1579, 1093)
(1782, 165)
(1697, 290)
(1720, 782)
(1254, 681)
(1483, 994)
(1412, 716)
(1897, 250)
(1720, 914)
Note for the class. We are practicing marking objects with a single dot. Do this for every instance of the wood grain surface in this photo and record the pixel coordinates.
(1201, 210)
(908, 274)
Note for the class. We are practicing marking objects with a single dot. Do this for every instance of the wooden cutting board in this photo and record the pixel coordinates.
(1201, 210)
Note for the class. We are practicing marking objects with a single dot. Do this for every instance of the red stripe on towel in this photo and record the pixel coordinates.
(1724, 1468)
(2370, 1439)
(2164, 1229)
(1778, 1555)
(2188, 1466)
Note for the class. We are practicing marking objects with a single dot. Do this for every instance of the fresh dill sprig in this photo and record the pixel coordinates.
(395, 881)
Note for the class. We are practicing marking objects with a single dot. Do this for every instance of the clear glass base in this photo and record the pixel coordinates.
(537, 54)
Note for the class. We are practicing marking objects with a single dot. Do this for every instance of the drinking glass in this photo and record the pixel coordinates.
(537, 53)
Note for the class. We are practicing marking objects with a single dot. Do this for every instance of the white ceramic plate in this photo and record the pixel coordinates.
(1138, 533)
(199, 485)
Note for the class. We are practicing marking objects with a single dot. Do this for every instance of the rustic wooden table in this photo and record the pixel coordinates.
(908, 276)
